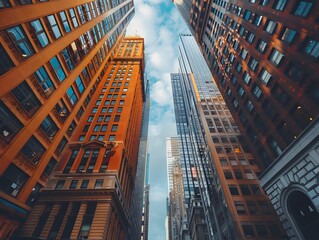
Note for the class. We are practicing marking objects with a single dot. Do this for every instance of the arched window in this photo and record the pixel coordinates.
(304, 214)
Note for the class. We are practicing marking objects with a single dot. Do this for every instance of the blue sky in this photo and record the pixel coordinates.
(159, 23)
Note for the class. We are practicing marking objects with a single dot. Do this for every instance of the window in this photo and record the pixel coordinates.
(239, 67)
(246, 78)
(33, 150)
(303, 8)
(275, 57)
(73, 18)
(103, 128)
(274, 146)
(243, 53)
(79, 84)
(250, 37)
(245, 190)
(84, 184)
(248, 229)
(249, 174)
(288, 35)
(66, 56)
(73, 184)
(263, 2)
(312, 48)
(241, 91)
(249, 106)
(261, 230)
(27, 99)
(261, 46)
(253, 64)
(55, 63)
(100, 138)
(33, 195)
(265, 76)
(279, 5)
(70, 161)
(6, 63)
(54, 26)
(49, 127)
(295, 72)
(71, 94)
(20, 41)
(45, 81)
(228, 175)
(40, 33)
(233, 190)
(257, 20)
(62, 145)
(5, 3)
(280, 94)
(96, 128)
(9, 124)
(117, 118)
(240, 207)
(270, 26)
(119, 109)
(112, 138)
(98, 183)
(50, 166)
(87, 220)
(64, 21)
(256, 91)
(107, 118)
(12, 180)
(59, 184)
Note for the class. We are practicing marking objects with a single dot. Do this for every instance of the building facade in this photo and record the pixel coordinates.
(53, 57)
(292, 185)
(89, 194)
(222, 193)
(264, 57)
(146, 202)
(172, 156)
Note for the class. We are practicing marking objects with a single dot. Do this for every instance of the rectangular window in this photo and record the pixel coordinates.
(275, 57)
(6, 63)
(256, 91)
(233, 190)
(66, 56)
(303, 8)
(55, 63)
(54, 26)
(40, 33)
(65, 21)
(312, 48)
(261, 46)
(257, 20)
(50, 166)
(253, 64)
(246, 78)
(70, 161)
(103, 128)
(79, 84)
(114, 128)
(265, 76)
(60, 184)
(12, 180)
(45, 81)
(249, 106)
(27, 99)
(288, 35)
(49, 127)
(33, 150)
(270, 26)
(20, 41)
(73, 18)
(279, 5)
(84, 184)
(73, 184)
(71, 94)
(98, 183)
(243, 53)
(87, 220)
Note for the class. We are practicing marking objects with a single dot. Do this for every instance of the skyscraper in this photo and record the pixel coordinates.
(222, 194)
(172, 155)
(88, 196)
(146, 203)
(264, 57)
(53, 57)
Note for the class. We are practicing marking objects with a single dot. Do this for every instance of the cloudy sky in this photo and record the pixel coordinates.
(159, 23)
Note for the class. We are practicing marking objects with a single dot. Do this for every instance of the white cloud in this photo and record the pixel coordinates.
(159, 23)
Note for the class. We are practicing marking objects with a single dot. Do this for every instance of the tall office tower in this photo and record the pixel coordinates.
(177, 212)
(88, 195)
(264, 57)
(138, 191)
(172, 156)
(219, 173)
(146, 203)
(53, 56)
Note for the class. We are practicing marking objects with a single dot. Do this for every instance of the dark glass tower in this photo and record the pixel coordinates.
(264, 57)
(222, 195)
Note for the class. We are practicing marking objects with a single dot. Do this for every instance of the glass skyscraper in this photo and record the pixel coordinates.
(221, 190)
